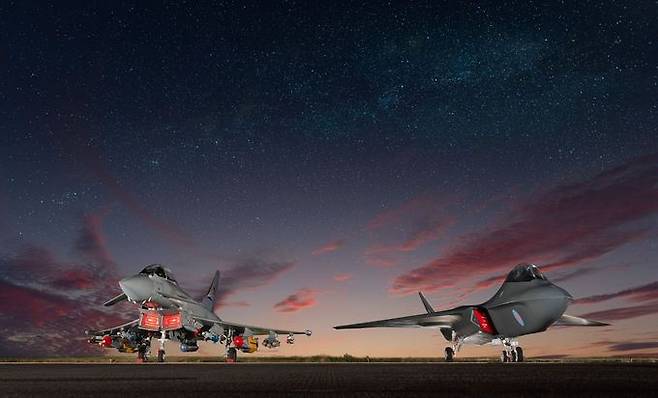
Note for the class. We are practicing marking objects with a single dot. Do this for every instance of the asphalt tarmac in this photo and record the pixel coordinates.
(330, 380)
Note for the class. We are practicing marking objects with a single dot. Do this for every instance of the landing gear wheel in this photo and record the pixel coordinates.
(512, 356)
(161, 355)
(504, 357)
(142, 353)
(449, 354)
(519, 354)
(231, 355)
(141, 356)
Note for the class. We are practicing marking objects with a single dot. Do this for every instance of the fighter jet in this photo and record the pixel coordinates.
(167, 312)
(525, 303)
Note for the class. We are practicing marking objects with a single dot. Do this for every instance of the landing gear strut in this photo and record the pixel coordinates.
(231, 352)
(161, 351)
(456, 345)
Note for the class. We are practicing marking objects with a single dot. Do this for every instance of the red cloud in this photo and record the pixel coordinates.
(303, 298)
(564, 226)
(48, 303)
(639, 293)
(329, 247)
(342, 277)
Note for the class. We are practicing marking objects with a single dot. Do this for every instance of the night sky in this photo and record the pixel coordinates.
(331, 160)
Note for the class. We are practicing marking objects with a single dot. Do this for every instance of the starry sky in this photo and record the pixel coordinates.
(331, 159)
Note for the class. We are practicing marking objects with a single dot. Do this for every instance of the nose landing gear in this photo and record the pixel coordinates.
(161, 351)
(451, 351)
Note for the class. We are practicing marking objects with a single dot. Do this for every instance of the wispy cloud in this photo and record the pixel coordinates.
(301, 299)
(249, 274)
(621, 313)
(561, 227)
(91, 159)
(638, 293)
(329, 247)
(342, 277)
(405, 229)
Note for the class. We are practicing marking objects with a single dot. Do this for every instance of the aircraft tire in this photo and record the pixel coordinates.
(141, 356)
(504, 357)
(232, 355)
(519, 354)
(161, 355)
(449, 354)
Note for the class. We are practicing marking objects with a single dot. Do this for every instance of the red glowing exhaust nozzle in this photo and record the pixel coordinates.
(483, 320)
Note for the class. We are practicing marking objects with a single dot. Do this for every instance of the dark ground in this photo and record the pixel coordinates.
(330, 380)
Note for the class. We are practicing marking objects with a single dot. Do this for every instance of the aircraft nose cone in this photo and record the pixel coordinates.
(137, 288)
(564, 293)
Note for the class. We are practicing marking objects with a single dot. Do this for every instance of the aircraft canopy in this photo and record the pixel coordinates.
(159, 270)
(524, 273)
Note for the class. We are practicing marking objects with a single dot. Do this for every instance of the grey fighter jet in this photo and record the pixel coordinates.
(525, 303)
(167, 312)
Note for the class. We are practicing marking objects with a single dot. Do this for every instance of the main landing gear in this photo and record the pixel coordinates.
(511, 354)
(449, 354)
(231, 355)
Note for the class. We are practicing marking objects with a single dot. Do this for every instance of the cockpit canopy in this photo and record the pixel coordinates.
(525, 273)
(159, 270)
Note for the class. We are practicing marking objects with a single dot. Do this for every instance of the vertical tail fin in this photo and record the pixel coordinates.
(426, 303)
(208, 300)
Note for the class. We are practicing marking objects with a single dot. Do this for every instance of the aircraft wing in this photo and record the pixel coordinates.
(111, 330)
(442, 319)
(570, 320)
(256, 330)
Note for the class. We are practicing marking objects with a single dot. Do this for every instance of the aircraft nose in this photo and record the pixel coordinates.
(137, 288)
(564, 293)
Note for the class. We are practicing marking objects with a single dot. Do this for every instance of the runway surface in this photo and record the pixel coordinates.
(329, 380)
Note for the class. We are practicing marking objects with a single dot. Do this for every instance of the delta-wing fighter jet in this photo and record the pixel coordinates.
(167, 312)
(525, 303)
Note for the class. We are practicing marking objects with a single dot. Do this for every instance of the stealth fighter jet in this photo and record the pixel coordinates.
(167, 312)
(525, 303)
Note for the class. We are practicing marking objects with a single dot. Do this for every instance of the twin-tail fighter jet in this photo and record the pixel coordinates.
(525, 303)
(167, 312)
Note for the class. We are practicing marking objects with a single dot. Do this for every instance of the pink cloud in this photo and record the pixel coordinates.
(342, 277)
(405, 229)
(392, 216)
(328, 247)
(303, 298)
(563, 227)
